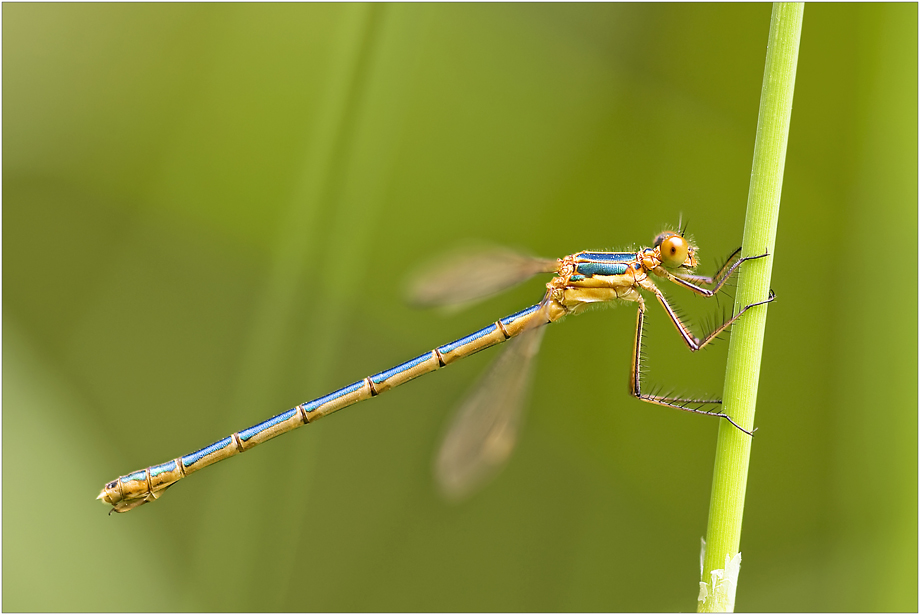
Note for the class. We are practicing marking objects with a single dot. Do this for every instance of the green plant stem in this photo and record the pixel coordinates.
(723, 534)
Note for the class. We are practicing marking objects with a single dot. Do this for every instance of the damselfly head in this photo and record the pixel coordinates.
(674, 250)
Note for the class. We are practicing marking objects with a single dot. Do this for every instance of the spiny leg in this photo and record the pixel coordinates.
(686, 404)
(691, 340)
(705, 279)
(725, 272)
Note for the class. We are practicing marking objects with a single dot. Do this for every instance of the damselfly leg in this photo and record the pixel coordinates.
(694, 343)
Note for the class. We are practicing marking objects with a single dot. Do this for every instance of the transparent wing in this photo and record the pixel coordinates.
(470, 274)
(483, 431)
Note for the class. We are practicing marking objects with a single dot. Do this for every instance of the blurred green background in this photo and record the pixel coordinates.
(209, 212)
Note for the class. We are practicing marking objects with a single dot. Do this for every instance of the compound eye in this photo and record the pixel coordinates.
(674, 251)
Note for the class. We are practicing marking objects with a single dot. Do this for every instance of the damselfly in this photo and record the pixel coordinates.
(484, 429)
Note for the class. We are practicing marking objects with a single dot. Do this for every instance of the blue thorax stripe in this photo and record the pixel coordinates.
(590, 269)
(606, 257)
